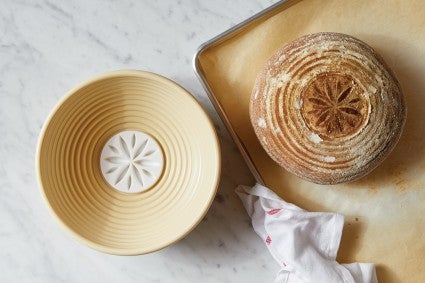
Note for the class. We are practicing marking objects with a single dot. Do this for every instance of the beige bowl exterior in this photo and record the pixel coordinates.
(71, 181)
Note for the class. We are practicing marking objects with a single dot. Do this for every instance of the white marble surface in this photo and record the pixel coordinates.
(46, 48)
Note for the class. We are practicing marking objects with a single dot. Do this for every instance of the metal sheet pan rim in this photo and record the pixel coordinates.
(200, 74)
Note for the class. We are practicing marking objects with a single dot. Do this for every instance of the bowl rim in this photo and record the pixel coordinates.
(111, 75)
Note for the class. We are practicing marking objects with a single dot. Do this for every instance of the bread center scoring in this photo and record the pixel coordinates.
(334, 105)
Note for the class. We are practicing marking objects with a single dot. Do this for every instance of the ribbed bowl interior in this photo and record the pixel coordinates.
(69, 168)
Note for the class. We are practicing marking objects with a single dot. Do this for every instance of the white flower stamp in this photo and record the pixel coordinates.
(131, 161)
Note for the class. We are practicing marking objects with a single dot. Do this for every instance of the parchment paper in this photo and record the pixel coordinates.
(385, 211)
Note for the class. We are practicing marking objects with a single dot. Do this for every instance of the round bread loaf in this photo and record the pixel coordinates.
(327, 108)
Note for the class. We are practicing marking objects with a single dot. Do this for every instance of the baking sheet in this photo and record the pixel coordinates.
(385, 211)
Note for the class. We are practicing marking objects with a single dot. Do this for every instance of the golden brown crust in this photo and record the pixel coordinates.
(327, 108)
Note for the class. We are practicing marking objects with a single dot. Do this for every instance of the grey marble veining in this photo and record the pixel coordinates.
(46, 48)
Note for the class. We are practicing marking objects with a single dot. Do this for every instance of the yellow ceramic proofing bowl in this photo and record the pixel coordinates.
(70, 177)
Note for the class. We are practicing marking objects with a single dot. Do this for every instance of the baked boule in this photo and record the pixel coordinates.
(327, 108)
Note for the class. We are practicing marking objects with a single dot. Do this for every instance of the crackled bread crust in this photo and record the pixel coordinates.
(327, 108)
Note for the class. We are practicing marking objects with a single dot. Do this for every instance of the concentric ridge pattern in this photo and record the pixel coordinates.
(69, 167)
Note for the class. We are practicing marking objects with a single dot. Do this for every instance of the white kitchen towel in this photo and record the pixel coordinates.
(304, 244)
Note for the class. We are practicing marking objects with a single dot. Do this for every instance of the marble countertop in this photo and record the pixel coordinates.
(46, 48)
